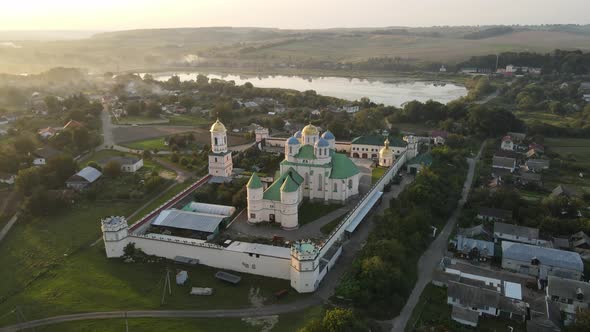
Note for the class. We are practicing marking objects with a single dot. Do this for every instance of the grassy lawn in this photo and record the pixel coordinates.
(433, 312)
(377, 173)
(189, 120)
(327, 228)
(544, 117)
(139, 119)
(157, 143)
(310, 211)
(50, 268)
(574, 153)
(288, 322)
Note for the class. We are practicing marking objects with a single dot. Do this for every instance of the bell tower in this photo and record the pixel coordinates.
(220, 160)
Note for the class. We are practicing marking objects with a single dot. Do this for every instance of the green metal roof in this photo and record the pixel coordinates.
(289, 185)
(423, 159)
(306, 152)
(342, 167)
(379, 140)
(273, 192)
(254, 182)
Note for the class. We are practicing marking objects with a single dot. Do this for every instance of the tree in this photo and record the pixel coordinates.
(24, 144)
(338, 320)
(53, 104)
(27, 179)
(153, 183)
(62, 167)
(112, 169)
(81, 137)
(202, 79)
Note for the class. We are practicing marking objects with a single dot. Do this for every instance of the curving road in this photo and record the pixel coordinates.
(432, 256)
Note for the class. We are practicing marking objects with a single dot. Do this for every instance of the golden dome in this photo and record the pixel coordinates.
(218, 127)
(385, 151)
(310, 130)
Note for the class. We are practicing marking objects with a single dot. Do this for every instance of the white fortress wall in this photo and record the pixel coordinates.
(214, 255)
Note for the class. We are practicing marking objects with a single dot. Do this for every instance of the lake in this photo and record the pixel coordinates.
(386, 91)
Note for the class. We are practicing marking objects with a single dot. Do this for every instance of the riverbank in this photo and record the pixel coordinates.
(372, 75)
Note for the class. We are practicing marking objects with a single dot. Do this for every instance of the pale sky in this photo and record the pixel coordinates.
(137, 14)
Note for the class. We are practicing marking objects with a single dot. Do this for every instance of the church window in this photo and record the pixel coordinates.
(349, 183)
(252, 215)
(335, 187)
(216, 141)
(320, 182)
(290, 150)
(215, 159)
(306, 179)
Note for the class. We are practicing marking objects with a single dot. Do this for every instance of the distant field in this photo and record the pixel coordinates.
(574, 151)
(134, 50)
(544, 117)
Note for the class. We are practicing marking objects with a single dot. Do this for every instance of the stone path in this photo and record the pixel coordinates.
(8, 226)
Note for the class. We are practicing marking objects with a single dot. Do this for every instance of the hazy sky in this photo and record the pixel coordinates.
(132, 14)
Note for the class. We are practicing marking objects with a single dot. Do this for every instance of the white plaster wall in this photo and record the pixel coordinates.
(217, 257)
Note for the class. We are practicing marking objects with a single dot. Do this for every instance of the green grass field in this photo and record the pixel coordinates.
(188, 120)
(157, 143)
(329, 227)
(50, 268)
(544, 117)
(139, 120)
(574, 152)
(377, 173)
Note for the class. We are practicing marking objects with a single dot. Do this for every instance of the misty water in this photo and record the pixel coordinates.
(387, 91)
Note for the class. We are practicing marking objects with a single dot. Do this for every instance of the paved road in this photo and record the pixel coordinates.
(432, 256)
(107, 128)
(8, 226)
(326, 290)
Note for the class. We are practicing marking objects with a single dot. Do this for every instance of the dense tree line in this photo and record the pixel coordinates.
(559, 61)
(384, 272)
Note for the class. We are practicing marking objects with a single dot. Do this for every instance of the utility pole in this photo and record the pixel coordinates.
(126, 323)
(166, 282)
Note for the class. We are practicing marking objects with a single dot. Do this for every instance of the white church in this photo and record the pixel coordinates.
(311, 169)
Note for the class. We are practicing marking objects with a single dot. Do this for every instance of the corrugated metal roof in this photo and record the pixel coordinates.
(222, 210)
(89, 174)
(546, 256)
(200, 222)
(260, 249)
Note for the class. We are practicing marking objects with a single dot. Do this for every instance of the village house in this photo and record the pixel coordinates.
(470, 301)
(73, 124)
(7, 178)
(128, 164)
(570, 295)
(439, 137)
(84, 178)
(416, 164)
(492, 214)
(503, 163)
(367, 147)
(42, 155)
(473, 248)
(515, 233)
(536, 165)
(47, 133)
(562, 190)
(541, 262)
(507, 143)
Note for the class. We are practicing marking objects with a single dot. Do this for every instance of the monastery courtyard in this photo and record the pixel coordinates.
(312, 230)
